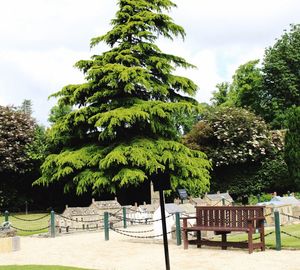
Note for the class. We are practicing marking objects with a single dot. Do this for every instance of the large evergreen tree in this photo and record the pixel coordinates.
(123, 128)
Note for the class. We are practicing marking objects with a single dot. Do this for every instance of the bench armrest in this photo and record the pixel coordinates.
(185, 219)
(188, 217)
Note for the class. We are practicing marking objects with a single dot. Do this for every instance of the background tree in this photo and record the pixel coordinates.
(123, 129)
(281, 77)
(57, 112)
(292, 145)
(246, 86)
(244, 90)
(220, 96)
(241, 148)
(16, 132)
(26, 107)
(36, 150)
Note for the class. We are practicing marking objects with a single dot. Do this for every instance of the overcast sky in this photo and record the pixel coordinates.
(40, 40)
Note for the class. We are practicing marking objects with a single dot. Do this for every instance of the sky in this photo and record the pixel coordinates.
(41, 40)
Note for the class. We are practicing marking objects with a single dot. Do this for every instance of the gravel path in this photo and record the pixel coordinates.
(89, 250)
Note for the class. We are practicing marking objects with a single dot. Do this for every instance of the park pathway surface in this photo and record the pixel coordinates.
(89, 250)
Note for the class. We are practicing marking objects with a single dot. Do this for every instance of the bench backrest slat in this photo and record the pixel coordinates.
(227, 216)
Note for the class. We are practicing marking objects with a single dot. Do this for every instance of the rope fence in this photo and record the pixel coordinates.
(53, 223)
(29, 220)
(74, 220)
(291, 235)
(140, 237)
(126, 231)
(290, 216)
(29, 230)
(74, 229)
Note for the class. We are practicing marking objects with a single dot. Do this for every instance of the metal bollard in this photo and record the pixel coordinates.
(52, 223)
(277, 230)
(178, 229)
(124, 218)
(106, 226)
(6, 215)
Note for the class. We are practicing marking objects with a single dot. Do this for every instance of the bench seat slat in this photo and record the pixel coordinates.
(221, 229)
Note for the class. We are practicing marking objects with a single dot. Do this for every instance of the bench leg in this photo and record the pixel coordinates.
(262, 237)
(250, 241)
(185, 239)
(224, 240)
(198, 239)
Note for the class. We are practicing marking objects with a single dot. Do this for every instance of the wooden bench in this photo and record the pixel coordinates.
(223, 220)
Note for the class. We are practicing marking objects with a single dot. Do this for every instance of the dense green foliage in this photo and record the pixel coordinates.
(281, 77)
(246, 157)
(124, 128)
(292, 145)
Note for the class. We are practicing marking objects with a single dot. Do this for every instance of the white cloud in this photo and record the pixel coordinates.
(37, 75)
(40, 40)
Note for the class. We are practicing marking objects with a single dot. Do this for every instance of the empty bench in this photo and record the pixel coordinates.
(223, 220)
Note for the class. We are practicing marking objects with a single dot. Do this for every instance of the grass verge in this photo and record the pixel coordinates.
(287, 241)
(29, 224)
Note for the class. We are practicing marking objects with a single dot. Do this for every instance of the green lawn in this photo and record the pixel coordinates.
(286, 241)
(30, 224)
(38, 267)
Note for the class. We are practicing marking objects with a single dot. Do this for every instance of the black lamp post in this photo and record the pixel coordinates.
(161, 182)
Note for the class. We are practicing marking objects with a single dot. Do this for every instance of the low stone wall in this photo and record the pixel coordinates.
(9, 244)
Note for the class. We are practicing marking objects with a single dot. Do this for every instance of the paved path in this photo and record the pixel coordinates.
(122, 253)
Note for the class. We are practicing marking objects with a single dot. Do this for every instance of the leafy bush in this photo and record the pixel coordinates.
(231, 136)
(247, 158)
(264, 197)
